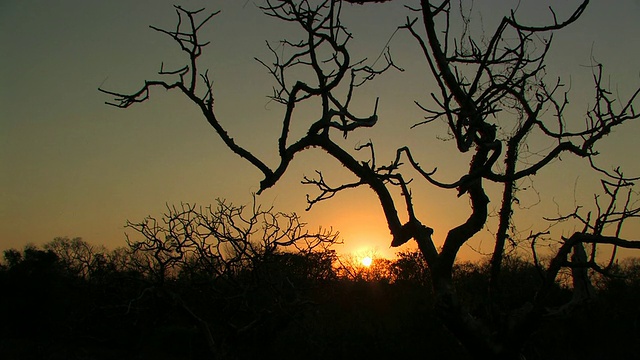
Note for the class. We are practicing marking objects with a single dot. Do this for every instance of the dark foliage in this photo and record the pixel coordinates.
(50, 310)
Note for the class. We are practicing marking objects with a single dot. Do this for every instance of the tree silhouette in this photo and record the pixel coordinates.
(492, 96)
(77, 256)
(249, 264)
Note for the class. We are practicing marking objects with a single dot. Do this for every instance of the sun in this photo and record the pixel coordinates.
(366, 261)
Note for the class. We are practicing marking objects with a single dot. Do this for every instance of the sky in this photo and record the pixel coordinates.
(72, 166)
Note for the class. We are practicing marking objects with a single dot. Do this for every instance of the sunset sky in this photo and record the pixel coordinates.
(72, 166)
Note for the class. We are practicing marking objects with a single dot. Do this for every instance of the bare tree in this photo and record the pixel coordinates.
(492, 96)
(230, 249)
(78, 256)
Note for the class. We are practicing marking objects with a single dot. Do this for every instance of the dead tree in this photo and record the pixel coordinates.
(492, 96)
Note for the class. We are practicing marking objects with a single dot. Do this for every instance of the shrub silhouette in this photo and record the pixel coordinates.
(48, 312)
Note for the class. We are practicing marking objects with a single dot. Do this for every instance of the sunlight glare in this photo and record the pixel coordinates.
(366, 261)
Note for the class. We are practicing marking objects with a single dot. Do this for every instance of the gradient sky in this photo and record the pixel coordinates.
(72, 166)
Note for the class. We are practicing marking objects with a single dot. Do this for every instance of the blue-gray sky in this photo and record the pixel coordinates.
(72, 166)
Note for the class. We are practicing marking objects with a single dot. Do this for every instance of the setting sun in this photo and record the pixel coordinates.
(366, 261)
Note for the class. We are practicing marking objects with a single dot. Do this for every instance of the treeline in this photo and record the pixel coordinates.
(71, 300)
